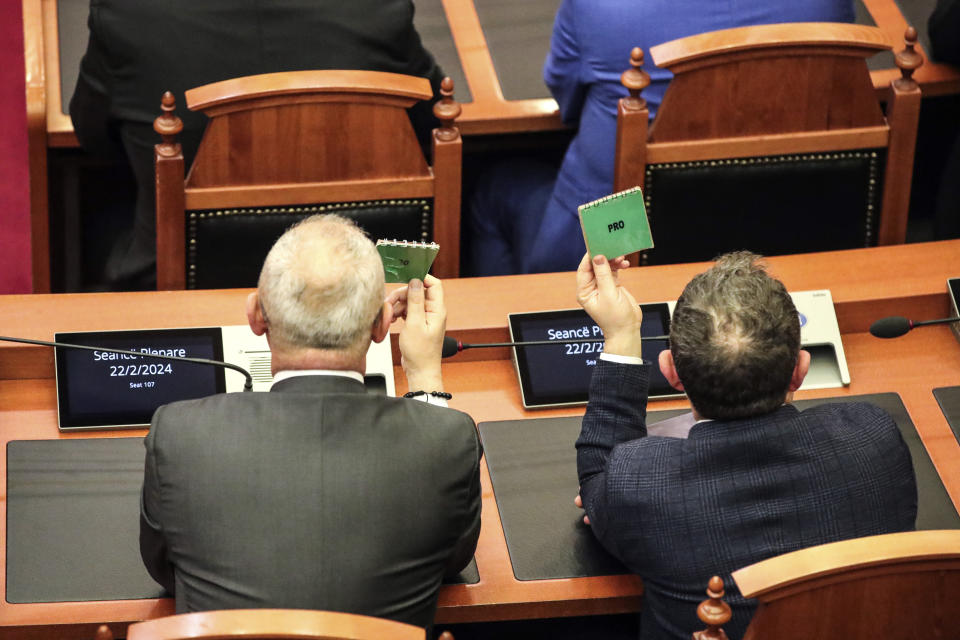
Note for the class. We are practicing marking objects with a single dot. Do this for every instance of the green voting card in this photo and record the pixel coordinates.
(616, 225)
(404, 260)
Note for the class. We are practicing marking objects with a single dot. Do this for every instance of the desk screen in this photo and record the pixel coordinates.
(98, 389)
(555, 375)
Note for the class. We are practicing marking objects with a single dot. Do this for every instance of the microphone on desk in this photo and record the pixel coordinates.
(247, 385)
(896, 326)
(452, 346)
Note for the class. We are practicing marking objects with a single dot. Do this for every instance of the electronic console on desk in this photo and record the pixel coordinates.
(559, 375)
(103, 390)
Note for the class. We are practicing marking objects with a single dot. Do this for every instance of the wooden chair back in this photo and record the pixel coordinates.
(281, 146)
(898, 585)
(266, 624)
(759, 136)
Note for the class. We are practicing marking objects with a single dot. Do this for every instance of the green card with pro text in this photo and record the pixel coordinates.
(616, 225)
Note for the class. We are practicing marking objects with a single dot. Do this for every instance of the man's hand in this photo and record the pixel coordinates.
(579, 502)
(610, 305)
(421, 306)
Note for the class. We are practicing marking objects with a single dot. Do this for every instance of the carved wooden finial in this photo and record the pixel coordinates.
(168, 125)
(635, 79)
(713, 612)
(447, 110)
(103, 633)
(909, 59)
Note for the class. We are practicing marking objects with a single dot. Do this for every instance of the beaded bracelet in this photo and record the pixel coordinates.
(435, 394)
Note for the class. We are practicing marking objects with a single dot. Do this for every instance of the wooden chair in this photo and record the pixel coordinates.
(770, 138)
(257, 624)
(282, 146)
(899, 585)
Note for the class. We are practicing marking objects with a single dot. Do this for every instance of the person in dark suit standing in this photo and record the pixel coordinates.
(318, 494)
(139, 48)
(755, 477)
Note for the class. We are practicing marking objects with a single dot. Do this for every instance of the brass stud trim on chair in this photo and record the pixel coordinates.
(194, 218)
(869, 214)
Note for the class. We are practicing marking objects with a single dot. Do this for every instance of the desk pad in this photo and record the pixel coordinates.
(518, 38)
(429, 19)
(533, 469)
(949, 400)
(73, 522)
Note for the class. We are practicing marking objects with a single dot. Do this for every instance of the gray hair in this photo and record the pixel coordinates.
(321, 285)
(735, 338)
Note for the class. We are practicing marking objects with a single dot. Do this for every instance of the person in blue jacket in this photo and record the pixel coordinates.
(522, 217)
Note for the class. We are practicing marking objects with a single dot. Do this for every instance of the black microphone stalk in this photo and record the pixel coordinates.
(247, 385)
(896, 326)
(452, 346)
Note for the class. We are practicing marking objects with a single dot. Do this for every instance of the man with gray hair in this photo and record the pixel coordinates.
(755, 477)
(318, 494)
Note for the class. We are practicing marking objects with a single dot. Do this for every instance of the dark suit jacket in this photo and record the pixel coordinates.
(316, 495)
(677, 511)
(140, 48)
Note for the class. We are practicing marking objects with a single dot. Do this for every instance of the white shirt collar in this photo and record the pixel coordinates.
(293, 373)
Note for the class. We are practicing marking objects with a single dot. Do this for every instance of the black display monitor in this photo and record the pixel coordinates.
(559, 375)
(99, 389)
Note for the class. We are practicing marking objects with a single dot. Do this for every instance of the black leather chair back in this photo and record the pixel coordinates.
(226, 248)
(771, 205)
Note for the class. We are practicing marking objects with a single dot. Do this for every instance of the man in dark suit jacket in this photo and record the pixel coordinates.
(318, 495)
(755, 478)
(140, 48)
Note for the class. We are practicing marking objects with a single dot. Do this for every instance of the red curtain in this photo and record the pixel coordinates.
(15, 275)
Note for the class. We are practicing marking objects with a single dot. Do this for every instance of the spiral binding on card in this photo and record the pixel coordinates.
(408, 243)
(612, 196)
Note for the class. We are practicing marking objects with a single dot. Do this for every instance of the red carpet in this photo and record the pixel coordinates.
(15, 276)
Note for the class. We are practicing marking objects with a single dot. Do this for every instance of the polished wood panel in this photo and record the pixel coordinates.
(731, 82)
(866, 284)
(728, 99)
(897, 585)
(259, 624)
(307, 137)
(258, 126)
(239, 94)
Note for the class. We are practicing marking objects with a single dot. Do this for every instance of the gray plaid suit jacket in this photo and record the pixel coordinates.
(677, 511)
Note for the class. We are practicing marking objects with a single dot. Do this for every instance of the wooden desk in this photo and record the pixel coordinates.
(866, 284)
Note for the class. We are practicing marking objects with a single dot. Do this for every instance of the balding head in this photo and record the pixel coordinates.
(735, 339)
(321, 286)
